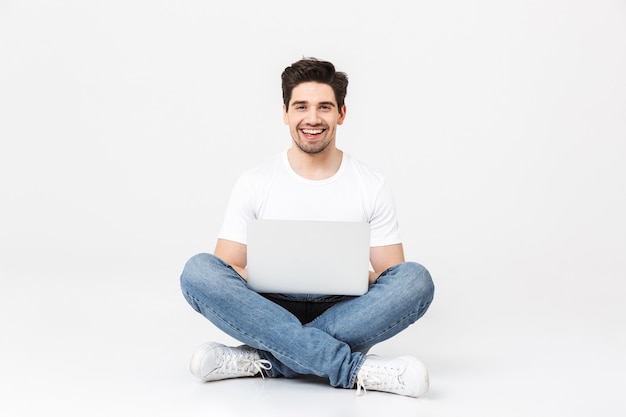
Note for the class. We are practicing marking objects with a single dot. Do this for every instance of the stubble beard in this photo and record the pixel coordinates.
(312, 150)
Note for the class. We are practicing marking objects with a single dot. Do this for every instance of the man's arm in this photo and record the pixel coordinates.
(233, 253)
(383, 257)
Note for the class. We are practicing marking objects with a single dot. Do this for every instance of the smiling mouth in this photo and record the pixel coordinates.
(312, 131)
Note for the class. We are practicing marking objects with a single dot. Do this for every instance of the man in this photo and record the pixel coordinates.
(290, 335)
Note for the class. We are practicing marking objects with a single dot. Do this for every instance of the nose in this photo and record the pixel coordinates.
(312, 116)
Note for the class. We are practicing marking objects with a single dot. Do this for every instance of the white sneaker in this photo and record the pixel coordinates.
(404, 375)
(214, 361)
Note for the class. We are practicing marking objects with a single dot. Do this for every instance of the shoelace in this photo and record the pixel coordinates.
(373, 379)
(260, 365)
(360, 386)
(360, 383)
(239, 363)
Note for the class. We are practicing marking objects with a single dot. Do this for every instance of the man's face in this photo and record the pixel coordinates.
(313, 117)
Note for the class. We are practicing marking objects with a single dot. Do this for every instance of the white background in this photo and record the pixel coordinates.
(501, 127)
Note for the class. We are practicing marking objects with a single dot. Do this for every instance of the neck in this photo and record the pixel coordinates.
(319, 166)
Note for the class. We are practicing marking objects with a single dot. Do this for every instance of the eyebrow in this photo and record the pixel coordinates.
(322, 103)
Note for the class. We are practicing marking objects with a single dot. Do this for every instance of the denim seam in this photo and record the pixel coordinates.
(355, 371)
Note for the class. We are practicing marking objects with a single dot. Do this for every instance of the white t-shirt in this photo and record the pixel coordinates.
(273, 190)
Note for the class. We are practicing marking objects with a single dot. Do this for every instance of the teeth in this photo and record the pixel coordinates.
(312, 131)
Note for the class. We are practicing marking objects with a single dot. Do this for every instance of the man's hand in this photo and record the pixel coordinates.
(241, 271)
(373, 276)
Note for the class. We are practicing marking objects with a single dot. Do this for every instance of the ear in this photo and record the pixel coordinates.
(285, 115)
(342, 115)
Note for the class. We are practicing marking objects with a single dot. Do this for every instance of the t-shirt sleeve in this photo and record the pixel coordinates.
(384, 222)
(239, 210)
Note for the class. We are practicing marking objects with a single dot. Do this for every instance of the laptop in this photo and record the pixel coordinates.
(308, 257)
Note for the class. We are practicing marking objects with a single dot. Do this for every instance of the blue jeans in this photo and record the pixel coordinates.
(333, 343)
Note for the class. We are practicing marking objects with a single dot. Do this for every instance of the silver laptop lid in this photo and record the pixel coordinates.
(308, 257)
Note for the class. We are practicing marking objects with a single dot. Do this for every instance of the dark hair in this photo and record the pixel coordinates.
(312, 69)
